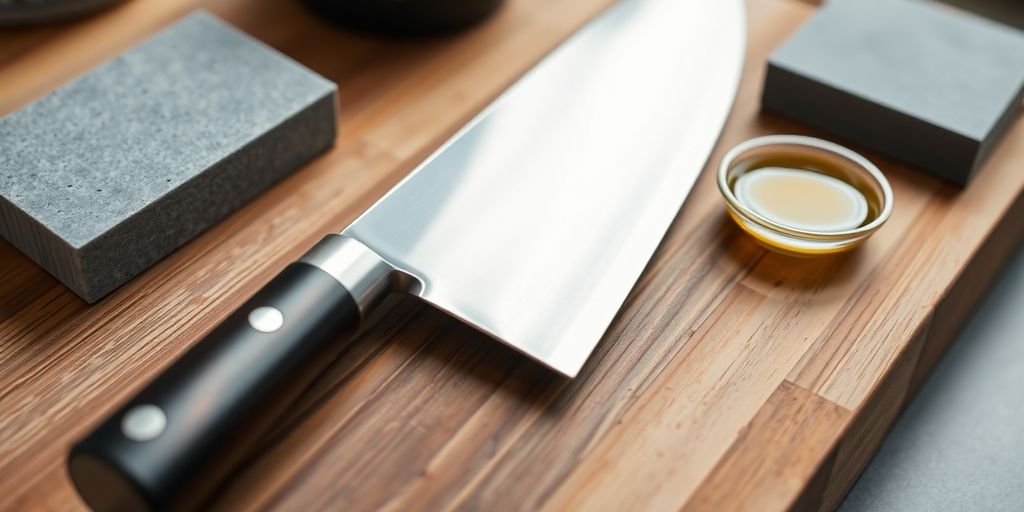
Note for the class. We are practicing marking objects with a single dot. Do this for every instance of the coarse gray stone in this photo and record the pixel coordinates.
(918, 81)
(111, 172)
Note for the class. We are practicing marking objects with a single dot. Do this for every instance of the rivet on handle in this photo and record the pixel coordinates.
(266, 319)
(143, 423)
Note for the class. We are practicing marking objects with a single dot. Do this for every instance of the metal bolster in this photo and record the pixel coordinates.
(365, 275)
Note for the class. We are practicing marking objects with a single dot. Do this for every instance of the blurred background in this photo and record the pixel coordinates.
(1010, 12)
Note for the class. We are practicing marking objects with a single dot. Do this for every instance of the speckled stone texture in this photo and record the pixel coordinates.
(108, 174)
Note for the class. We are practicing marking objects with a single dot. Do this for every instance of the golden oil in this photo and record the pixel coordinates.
(804, 198)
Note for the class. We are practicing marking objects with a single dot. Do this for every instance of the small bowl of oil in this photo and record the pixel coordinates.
(804, 196)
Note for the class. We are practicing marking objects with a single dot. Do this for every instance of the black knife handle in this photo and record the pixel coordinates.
(171, 445)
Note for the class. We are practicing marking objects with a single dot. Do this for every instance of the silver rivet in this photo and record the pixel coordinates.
(266, 319)
(143, 423)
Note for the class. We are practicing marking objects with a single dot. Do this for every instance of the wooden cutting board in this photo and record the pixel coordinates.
(733, 378)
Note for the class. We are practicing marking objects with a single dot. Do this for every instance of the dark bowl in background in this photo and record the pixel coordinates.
(405, 17)
(30, 12)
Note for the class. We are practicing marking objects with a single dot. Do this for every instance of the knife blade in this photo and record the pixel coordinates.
(531, 224)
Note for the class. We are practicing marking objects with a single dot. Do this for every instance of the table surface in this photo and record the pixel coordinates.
(732, 377)
(959, 444)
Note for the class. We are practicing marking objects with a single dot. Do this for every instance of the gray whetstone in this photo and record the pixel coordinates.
(108, 174)
(918, 81)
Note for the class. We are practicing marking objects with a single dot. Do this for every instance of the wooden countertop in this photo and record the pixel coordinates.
(732, 378)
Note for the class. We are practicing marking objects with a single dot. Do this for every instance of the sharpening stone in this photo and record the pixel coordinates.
(918, 81)
(113, 171)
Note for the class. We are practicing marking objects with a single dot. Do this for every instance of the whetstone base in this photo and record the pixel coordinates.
(108, 174)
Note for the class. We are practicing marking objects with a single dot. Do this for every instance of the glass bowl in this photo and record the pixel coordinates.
(810, 154)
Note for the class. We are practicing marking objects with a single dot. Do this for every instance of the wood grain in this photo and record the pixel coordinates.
(732, 378)
(774, 457)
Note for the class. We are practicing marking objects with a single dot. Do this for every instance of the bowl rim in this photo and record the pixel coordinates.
(815, 143)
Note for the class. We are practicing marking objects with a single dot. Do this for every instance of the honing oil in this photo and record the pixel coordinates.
(804, 196)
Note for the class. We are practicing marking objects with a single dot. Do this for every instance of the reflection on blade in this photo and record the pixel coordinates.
(533, 223)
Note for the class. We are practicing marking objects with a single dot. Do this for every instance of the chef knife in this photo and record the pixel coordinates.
(531, 224)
